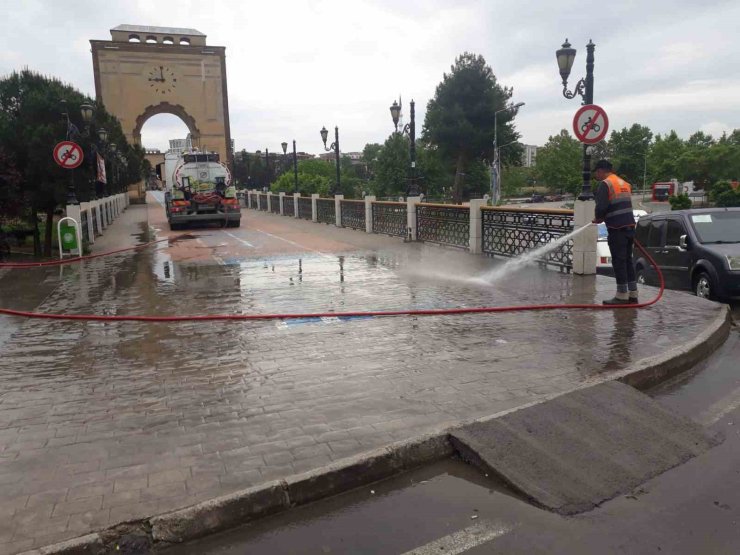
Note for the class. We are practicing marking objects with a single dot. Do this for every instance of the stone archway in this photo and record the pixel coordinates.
(145, 71)
(167, 108)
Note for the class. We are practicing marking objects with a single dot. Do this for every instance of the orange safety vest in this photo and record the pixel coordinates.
(619, 214)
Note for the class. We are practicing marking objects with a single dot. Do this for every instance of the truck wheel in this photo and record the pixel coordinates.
(640, 276)
(175, 227)
(233, 224)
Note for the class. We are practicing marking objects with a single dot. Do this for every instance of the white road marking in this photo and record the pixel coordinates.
(294, 244)
(462, 540)
(242, 241)
(719, 409)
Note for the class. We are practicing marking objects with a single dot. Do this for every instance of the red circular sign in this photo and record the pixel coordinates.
(590, 124)
(68, 154)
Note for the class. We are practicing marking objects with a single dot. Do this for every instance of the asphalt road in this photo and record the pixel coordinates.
(450, 508)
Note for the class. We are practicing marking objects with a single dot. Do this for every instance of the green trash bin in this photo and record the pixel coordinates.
(69, 237)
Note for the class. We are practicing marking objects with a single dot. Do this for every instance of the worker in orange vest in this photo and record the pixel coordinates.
(614, 208)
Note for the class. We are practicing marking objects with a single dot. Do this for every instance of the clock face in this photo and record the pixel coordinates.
(162, 79)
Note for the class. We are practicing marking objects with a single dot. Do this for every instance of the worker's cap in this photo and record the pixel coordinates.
(603, 165)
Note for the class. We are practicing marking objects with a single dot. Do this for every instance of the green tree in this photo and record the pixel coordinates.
(391, 170)
(664, 158)
(460, 118)
(722, 194)
(560, 162)
(679, 202)
(31, 124)
(629, 150)
(515, 180)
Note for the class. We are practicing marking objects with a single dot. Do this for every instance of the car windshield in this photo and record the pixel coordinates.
(717, 227)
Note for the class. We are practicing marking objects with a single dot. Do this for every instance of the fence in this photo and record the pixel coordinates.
(305, 208)
(352, 213)
(496, 231)
(275, 204)
(445, 224)
(288, 205)
(512, 231)
(390, 218)
(326, 211)
(262, 201)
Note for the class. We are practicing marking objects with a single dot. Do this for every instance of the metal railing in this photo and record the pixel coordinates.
(390, 218)
(262, 201)
(275, 204)
(513, 231)
(288, 205)
(326, 211)
(305, 208)
(353, 214)
(443, 223)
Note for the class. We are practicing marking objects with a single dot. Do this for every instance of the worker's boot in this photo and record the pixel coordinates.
(619, 298)
(633, 297)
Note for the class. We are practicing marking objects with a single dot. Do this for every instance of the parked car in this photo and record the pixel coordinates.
(695, 249)
(603, 255)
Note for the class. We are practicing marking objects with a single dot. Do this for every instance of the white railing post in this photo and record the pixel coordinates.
(296, 196)
(269, 202)
(338, 210)
(314, 207)
(584, 244)
(476, 229)
(99, 216)
(281, 199)
(369, 199)
(86, 207)
(411, 203)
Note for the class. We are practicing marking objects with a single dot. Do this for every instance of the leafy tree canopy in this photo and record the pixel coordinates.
(560, 162)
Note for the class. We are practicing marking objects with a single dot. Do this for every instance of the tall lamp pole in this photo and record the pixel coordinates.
(496, 175)
(267, 170)
(409, 129)
(335, 147)
(295, 167)
(585, 89)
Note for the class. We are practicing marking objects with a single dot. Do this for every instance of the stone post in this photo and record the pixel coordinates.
(314, 208)
(369, 199)
(338, 210)
(282, 203)
(269, 202)
(85, 207)
(476, 228)
(99, 215)
(411, 203)
(296, 196)
(584, 244)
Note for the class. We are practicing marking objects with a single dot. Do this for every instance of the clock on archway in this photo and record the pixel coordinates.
(162, 79)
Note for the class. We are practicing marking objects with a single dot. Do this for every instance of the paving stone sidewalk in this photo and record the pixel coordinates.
(106, 422)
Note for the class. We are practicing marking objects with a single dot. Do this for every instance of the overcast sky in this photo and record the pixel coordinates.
(296, 65)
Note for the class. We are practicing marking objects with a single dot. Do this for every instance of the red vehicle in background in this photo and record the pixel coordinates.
(664, 189)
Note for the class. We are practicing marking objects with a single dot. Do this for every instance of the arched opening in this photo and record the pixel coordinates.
(159, 129)
(168, 40)
(134, 38)
(151, 40)
(184, 41)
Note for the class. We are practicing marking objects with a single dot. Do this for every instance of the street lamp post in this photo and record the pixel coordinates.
(409, 129)
(334, 147)
(86, 112)
(295, 168)
(496, 174)
(584, 88)
(267, 171)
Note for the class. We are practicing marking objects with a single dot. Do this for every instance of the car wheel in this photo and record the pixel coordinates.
(640, 276)
(703, 286)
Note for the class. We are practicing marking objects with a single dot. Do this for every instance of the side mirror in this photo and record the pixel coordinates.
(682, 242)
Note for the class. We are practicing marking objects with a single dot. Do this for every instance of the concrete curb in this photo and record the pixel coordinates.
(250, 504)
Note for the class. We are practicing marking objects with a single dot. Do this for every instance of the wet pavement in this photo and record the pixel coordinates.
(106, 422)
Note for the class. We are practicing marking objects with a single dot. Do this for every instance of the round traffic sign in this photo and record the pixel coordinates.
(590, 124)
(68, 154)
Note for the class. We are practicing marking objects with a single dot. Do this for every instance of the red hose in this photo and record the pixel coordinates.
(78, 258)
(290, 316)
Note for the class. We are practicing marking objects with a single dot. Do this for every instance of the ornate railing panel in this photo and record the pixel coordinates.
(353, 214)
(326, 211)
(511, 232)
(446, 224)
(390, 218)
(262, 202)
(275, 204)
(288, 205)
(84, 229)
(305, 210)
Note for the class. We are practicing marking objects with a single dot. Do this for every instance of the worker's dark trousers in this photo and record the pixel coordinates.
(620, 244)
